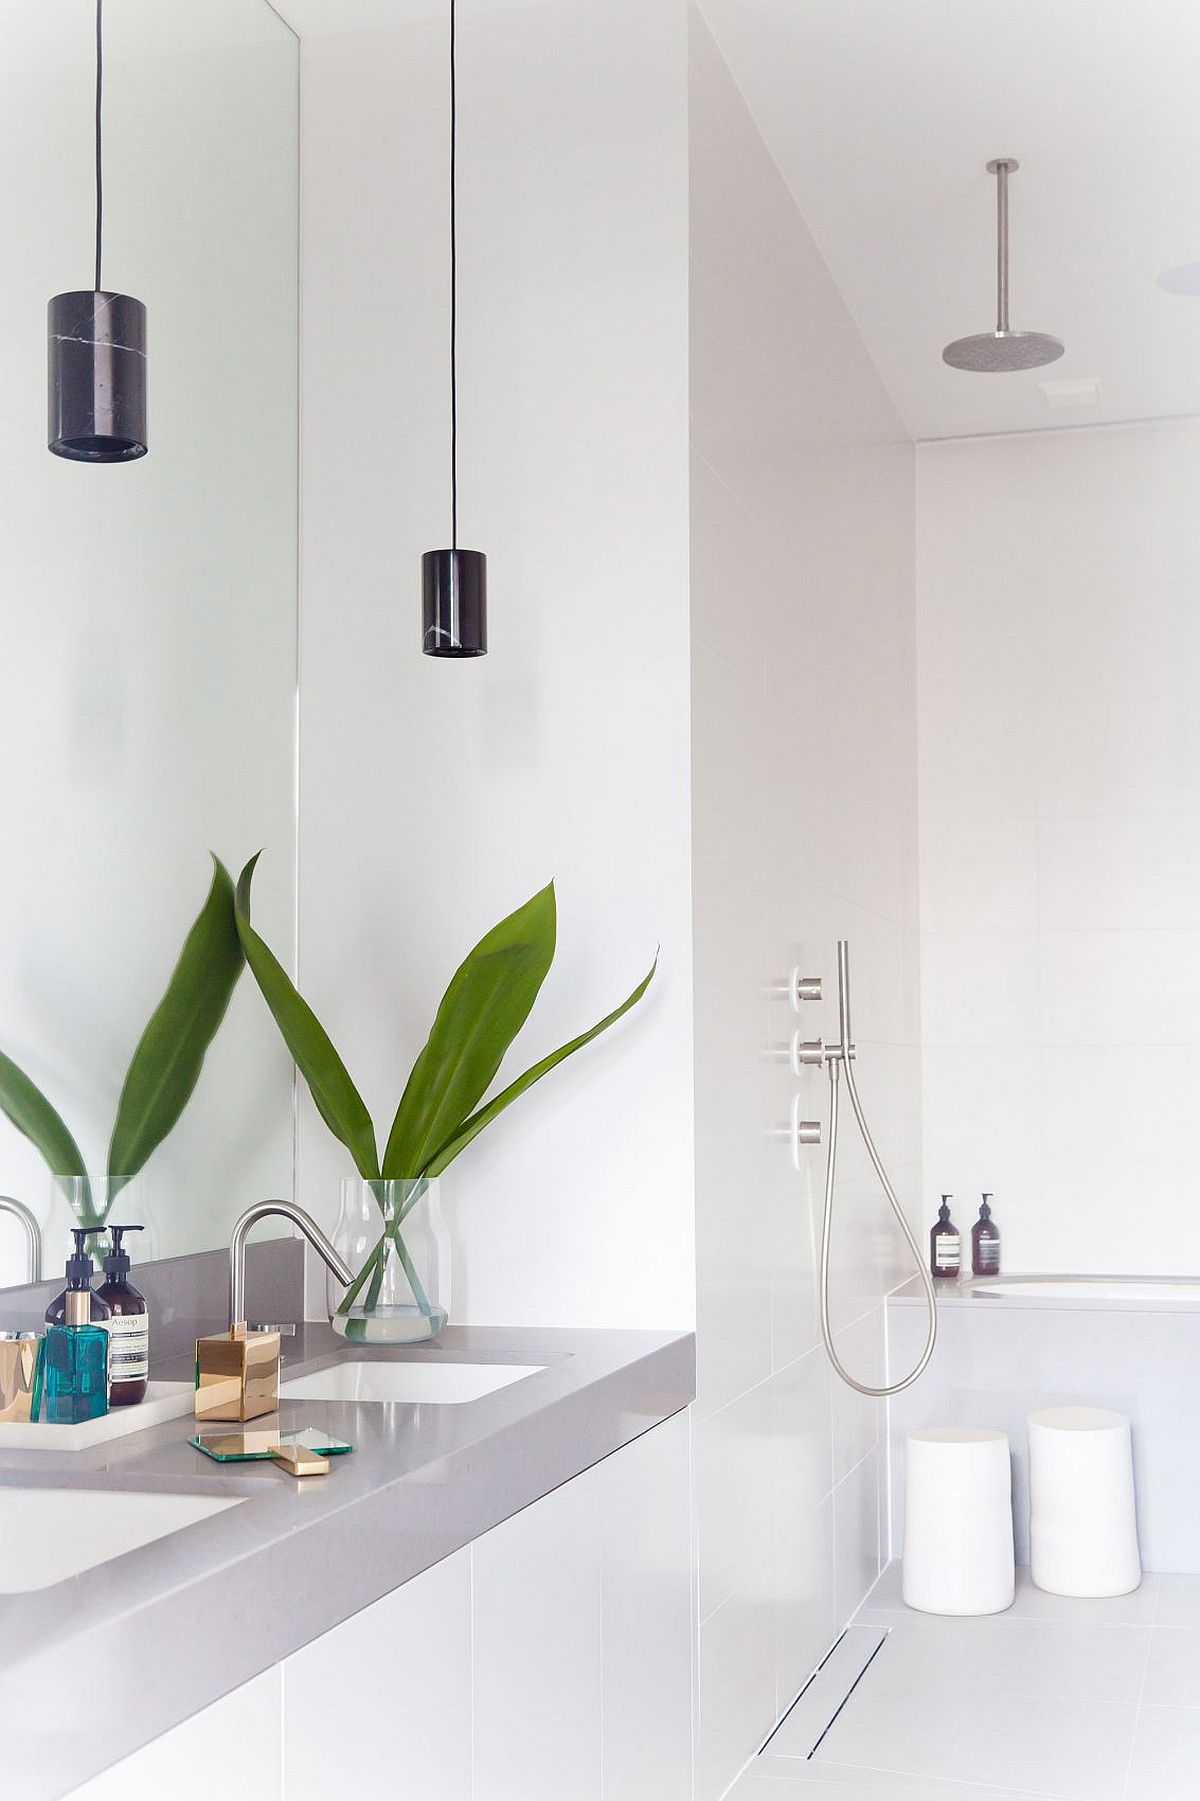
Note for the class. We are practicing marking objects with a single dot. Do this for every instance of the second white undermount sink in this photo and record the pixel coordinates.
(49, 1534)
(443, 1384)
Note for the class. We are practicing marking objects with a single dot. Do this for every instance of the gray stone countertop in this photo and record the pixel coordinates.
(197, 1613)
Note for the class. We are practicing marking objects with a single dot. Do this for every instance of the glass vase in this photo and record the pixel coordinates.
(393, 1237)
(97, 1201)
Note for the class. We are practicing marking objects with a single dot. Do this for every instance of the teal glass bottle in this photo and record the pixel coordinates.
(76, 1378)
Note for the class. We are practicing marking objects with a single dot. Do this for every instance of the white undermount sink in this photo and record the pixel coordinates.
(443, 1384)
(49, 1534)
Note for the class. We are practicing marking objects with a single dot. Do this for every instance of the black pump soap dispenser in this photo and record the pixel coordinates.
(985, 1242)
(80, 1270)
(945, 1245)
(128, 1328)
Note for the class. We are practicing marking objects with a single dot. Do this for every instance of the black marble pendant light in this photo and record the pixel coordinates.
(97, 348)
(454, 581)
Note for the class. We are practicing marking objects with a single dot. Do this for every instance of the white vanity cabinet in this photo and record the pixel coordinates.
(550, 1660)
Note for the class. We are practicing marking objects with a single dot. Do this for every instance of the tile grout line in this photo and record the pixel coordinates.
(784, 1369)
(1137, 1712)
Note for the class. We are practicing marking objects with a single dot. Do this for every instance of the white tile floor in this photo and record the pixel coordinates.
(1076, 1700)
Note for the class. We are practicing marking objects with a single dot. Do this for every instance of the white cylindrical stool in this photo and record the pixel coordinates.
(958, 1533)
(1082, 1522)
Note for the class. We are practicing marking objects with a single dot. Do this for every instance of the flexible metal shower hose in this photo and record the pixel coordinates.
(864, 1388)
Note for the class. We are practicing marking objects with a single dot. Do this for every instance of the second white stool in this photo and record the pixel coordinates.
(958, 1533)
(1082, 1521)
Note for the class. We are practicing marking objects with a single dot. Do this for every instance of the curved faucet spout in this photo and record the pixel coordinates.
(32, 1231)
(303, 1222)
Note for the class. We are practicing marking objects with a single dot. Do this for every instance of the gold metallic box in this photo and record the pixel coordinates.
(237, 1374)
(18, 1362)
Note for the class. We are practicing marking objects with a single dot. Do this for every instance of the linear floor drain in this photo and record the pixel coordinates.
(826, 1692)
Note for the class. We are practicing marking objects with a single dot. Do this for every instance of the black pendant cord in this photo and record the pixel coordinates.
(99, 140)
(454, 581)
(453, 283)
(96, 347)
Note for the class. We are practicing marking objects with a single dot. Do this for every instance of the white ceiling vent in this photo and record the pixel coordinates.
(1085, 392)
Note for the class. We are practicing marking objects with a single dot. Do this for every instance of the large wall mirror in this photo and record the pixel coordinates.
(148, 676)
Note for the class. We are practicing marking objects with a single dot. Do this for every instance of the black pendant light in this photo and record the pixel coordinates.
(97, 348)
(454, 581)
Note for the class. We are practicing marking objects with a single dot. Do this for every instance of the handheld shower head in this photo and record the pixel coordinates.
(843, 957)
(1002, 351)
(839, 1060)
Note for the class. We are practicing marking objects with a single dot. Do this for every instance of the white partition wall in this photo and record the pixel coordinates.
(804, 831)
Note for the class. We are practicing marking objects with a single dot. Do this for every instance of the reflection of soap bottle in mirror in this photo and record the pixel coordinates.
(76, 1381)
(129, 1327)
(985, 1242)
(945, 1245)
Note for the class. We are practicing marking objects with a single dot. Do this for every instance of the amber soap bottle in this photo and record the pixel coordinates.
(985, 1242)
(945, 1245)
(128, 1326)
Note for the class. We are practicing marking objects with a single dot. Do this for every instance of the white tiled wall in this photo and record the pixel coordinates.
(804, 830)
(1060, 839)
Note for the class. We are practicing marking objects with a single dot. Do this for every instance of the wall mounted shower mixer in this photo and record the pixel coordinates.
(799, 1132)
(801, 988)
(839, 1058)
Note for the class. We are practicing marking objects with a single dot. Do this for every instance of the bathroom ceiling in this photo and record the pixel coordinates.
(881, 115)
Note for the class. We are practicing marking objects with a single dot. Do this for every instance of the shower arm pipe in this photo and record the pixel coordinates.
(1002, 168)
(837, 1056)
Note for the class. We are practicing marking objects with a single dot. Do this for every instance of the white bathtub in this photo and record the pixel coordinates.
(1010, 1344)
(1087, 1288)
(1160, 1290)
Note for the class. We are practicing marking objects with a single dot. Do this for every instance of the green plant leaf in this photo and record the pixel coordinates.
(489, 999)
(32, 1114)
(337, 1099)
(484, 1117)
(170, 1055)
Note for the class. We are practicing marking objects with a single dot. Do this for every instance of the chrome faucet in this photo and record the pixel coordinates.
(237, 1372)
(33, 1235)
(237, 1249)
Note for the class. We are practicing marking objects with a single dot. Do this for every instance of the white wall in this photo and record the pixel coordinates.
(804, 822)
(435, 796)
(1060, 840)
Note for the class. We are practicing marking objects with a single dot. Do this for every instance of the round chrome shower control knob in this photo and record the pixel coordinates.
(802, 988)
(799, 1053)
(799, 1132)
(807, 1053)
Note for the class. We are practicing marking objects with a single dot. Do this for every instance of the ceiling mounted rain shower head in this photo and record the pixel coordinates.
(1002, 351)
